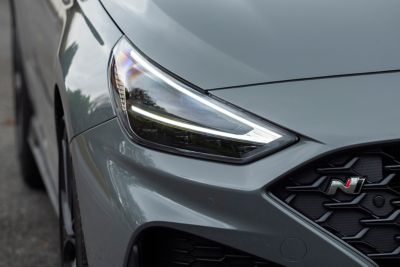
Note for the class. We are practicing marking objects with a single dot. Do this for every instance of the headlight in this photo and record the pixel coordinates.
(161, 112)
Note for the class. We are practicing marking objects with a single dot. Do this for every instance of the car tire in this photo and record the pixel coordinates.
(73, 250)
(23, 116)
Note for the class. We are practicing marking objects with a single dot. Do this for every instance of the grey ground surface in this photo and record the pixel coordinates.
(28, 224)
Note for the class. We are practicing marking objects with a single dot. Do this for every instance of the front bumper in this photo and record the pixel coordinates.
(124, 188)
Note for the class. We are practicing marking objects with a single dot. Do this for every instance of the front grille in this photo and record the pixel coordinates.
(368, 221)
(163, 247)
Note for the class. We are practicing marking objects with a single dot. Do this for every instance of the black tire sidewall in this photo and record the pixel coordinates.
(80, 249)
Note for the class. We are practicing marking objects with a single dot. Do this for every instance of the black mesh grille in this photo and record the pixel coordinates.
(370, 220)
(170, 248)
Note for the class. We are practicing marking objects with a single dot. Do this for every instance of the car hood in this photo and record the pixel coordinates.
(337, 112)
(224, 43)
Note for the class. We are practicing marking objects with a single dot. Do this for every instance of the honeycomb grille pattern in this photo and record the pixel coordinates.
(370, 220)
(169, 248)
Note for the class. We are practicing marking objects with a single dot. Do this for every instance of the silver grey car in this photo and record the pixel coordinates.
(213, 133)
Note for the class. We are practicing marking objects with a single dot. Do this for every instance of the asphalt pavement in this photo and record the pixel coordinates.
(28, 223)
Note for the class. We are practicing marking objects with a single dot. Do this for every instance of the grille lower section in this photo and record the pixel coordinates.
(368, 221)
(163, 247)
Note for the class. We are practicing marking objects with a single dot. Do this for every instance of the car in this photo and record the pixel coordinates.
(213, 133)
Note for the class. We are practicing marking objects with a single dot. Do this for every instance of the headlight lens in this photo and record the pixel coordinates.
(162, 112)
